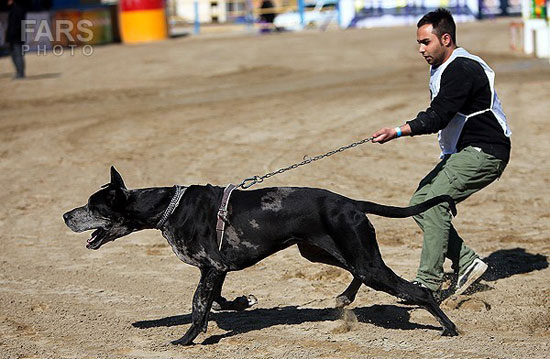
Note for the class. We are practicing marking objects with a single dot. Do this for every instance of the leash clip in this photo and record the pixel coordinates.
(251, 181)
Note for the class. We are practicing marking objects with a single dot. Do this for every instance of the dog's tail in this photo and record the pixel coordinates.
(402, 212)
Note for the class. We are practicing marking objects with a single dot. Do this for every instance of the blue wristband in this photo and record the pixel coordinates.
(398, 130)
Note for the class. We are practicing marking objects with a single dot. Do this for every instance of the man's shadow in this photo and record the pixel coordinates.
(505, 263)
(386, 316)
(51, 75)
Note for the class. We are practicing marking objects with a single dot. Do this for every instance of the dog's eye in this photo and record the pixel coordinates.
(102, 216)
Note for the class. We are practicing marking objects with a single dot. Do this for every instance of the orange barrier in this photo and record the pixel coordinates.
(69, 34)
(142, 21)
(81, 27)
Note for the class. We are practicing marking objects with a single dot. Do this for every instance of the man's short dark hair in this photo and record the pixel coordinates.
(442, 22)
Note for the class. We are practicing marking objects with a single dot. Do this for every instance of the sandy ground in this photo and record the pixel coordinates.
(216, 110)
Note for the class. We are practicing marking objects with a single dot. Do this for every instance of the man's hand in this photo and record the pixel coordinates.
(386, 134)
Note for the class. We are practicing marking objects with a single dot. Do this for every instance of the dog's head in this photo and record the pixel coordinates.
(104, 212)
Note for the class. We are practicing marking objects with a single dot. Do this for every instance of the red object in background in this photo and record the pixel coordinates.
(130, 5)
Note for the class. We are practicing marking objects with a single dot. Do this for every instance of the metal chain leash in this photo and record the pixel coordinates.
(251, 181)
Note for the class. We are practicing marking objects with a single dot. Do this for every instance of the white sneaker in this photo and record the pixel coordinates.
(472, 273)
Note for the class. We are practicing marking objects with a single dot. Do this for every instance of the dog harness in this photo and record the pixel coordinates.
(180, 190)
(222, 213)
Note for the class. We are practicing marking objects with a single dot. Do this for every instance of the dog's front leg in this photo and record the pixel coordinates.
(349, 294)
(209, 284)
(240, 303)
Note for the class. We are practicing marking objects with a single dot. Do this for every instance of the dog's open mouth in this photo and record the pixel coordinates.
(97, 238)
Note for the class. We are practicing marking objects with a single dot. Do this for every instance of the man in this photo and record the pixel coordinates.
(475, 142)
(16, 16)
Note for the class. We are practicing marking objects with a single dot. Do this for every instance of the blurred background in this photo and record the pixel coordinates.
(137, 21)
(195, 92)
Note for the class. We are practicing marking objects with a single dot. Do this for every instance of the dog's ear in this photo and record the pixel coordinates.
(116, 179)
(117, 197)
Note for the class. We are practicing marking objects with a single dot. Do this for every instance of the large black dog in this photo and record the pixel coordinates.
(327, 227)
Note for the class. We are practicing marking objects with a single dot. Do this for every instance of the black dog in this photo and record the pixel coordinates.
(327, 227)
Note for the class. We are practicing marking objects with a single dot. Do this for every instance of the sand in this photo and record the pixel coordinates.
(217, 109)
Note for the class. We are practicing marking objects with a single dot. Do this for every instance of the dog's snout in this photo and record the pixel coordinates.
(66, 217)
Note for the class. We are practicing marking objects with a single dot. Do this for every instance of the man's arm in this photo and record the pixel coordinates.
(386, 134)
(456, 85)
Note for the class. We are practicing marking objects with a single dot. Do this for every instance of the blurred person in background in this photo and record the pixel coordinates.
(15, 36)
(267, 16)
(475, 143)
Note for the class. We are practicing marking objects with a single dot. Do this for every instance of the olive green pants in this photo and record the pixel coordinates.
(458, 175)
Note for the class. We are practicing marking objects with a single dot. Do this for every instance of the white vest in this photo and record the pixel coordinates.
(448, 137)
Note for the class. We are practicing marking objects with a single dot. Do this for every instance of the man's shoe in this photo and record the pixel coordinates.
(472, 274)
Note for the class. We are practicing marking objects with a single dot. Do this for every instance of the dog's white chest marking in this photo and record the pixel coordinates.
(196, 259)
(181, 253)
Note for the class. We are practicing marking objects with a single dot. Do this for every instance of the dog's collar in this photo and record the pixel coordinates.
(180, 190)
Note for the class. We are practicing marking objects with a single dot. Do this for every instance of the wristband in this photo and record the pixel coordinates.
(398, 130)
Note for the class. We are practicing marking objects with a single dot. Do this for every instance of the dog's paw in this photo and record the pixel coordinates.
(342, 301)
(252, 300)
(216, 306)
(449, 332)
(244, 302)
(182, 341)
(189, 336)
(238, 304)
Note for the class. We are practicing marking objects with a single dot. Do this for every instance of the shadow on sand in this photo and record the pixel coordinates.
(386, 316)
(502, 264)
(505, 263)
(51, 75)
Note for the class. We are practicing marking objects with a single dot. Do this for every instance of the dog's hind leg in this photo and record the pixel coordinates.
(356, 243)
(209, 284)
(384, 279)
(370, 268)
(239, 304)
(318, 255)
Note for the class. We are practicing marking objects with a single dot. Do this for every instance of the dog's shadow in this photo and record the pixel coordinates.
(503, 263)
(386, 316)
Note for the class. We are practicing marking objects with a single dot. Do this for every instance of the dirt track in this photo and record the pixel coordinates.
(215, 110)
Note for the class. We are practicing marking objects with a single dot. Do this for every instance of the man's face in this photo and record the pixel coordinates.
(431, 48)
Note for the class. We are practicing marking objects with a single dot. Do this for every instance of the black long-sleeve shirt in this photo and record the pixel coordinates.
(465, 88)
